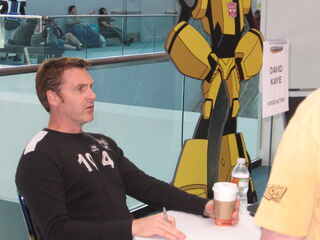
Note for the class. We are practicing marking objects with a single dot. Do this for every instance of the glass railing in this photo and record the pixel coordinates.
(31, 39)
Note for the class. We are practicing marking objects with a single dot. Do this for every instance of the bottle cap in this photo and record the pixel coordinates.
(241, 160)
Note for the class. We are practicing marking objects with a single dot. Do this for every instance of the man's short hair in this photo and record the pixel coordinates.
(70, 8)
(101, 10)
(49, 76)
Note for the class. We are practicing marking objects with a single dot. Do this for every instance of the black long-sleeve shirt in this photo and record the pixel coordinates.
(75, 186)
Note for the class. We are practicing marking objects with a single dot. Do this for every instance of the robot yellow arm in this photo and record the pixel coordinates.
(190, 52)
(248, 54)
(192, 8)
(246, 6)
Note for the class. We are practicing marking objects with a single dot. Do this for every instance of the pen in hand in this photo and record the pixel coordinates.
(165, 215)
(175, 231)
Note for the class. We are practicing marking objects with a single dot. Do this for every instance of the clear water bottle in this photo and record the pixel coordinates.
(241, 177)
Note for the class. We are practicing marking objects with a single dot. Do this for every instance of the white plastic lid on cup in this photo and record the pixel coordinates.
(225, 191)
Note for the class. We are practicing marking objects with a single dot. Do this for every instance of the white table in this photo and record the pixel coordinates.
(199, 228)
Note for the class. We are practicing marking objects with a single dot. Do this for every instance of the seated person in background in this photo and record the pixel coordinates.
(107, 30)
(290, 207)
(75, 183)
(23, 34)
(51, 35)
(86, 35)
(70, 41)
(256, 19)
(11, 7)
(43, 36)
(8, 6)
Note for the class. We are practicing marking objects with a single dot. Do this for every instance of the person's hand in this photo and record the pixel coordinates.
(155, 225)
(91, 12)
(75, 21)
(209, 211)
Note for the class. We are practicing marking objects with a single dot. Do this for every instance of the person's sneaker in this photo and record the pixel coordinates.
(128, 42)
(17, 58)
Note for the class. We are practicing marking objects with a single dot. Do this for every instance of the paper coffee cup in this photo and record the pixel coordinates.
(225, 194)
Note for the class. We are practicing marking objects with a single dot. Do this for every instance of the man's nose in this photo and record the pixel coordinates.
(92, 94)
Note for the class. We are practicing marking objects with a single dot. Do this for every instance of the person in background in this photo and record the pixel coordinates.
(17, 31)
(75, 183)
(23, 34)
(108, 30)
(290, 207)
(86, 35)
(49, 34)
(256, 19)
(13, 7)
(70, 41)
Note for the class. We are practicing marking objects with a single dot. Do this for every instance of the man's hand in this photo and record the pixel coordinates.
(91, 12)
(209, 211)
(115, 27)
(155, 225)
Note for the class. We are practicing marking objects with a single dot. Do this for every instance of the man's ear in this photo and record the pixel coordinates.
(53, 98)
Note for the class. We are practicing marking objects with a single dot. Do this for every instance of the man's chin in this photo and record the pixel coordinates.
(89, 119)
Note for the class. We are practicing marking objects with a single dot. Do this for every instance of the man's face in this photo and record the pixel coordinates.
(75, 106)
(74, 11)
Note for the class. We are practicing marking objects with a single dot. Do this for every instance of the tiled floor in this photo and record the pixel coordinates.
(260, 178)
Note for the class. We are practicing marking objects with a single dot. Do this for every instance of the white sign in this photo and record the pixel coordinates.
(275, 77)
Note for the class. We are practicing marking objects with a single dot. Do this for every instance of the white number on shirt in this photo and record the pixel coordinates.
(88, 159)
(106, 159)
(81, 160)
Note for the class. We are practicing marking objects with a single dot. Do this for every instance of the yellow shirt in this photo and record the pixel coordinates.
(291, 202)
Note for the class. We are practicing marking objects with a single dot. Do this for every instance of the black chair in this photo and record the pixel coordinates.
(27, 218)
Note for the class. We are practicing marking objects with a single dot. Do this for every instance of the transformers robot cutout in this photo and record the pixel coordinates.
(234, 54)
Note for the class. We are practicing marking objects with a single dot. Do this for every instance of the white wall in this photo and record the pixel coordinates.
(297, 21)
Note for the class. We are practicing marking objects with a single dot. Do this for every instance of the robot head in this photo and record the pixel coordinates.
(232, 9)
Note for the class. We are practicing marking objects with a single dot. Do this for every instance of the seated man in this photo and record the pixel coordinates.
(75, 183)
(107, 30)
(86, 35)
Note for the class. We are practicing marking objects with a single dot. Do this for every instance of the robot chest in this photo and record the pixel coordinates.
(228, 15)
